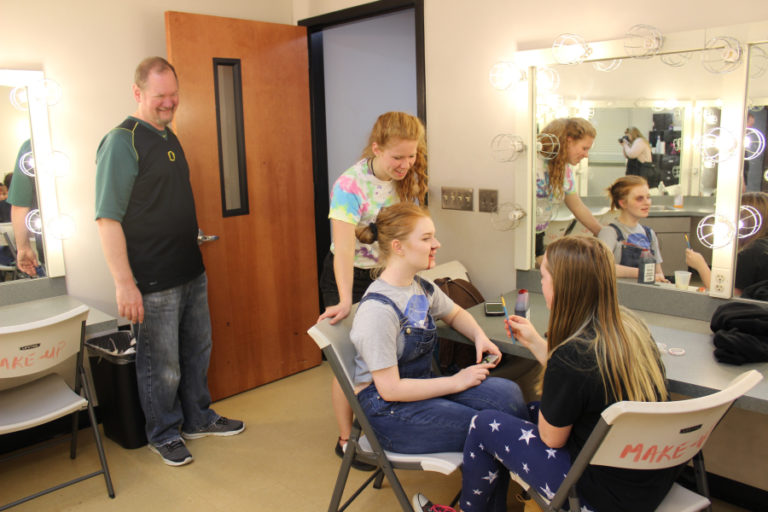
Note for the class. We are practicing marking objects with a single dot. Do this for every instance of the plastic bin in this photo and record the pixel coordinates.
(114, 377)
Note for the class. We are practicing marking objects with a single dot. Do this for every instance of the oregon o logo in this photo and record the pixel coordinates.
(171, 156)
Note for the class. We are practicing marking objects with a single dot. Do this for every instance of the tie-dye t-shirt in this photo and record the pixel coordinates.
(356, 198)
(547, 204)
(376, 331)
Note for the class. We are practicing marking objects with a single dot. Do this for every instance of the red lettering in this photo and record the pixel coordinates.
(680, 450)
(701, 441)
(4, 364)
(59, 348)
(636, 449)
(651, 453)
(665, 453)
(21, 362)
(48, 354)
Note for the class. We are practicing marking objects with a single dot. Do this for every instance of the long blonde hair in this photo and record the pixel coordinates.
(574, 127)
(585, 303)
(393, 126)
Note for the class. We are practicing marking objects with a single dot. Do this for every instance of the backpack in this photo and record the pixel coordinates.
(452, 355)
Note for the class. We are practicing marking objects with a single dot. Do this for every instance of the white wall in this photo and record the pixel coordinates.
(91, 48)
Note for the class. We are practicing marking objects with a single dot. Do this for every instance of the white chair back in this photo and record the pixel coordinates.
(453, 269)
(653, 435)
(337, 336)
(35, 347)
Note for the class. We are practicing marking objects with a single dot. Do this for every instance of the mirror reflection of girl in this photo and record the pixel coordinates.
(555, 181)
(636, 149)
(596, 353)
(394, 333)
(626, 237)
(752, 258)
(393, 168)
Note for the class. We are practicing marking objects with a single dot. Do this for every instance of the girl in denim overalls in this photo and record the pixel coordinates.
(626, 237)
(412, 410)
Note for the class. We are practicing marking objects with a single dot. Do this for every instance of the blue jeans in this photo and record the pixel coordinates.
(172, 354)
(437, 424)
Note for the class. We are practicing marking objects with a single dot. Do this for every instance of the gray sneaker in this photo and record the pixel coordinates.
(174, 453)
(221, 427)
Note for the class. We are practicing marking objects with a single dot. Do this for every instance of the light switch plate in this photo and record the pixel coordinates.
(453, 198)
(487, 200)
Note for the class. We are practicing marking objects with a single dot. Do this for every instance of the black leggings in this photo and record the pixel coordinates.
(330, 292)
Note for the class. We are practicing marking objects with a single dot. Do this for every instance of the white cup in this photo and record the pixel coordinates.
(682, 279)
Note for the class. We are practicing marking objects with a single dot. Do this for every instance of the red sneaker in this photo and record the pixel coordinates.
(421, 503)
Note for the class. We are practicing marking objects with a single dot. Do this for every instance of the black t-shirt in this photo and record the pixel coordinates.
(574, 394)
(752, 264)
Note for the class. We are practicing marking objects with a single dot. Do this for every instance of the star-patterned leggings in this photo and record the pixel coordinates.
(498, 443)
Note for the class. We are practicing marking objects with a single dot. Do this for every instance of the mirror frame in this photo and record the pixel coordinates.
(44, 165)
(733, 119)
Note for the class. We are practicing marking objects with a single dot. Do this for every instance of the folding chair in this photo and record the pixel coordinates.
(32, 393)
(334, 341)
(652, 435)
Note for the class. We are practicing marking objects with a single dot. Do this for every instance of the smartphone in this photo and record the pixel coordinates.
(489, 359)
(494, 309)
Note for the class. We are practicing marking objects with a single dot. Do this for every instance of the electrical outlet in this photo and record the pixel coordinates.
(457, 198)
(487, 200)
(720, 282)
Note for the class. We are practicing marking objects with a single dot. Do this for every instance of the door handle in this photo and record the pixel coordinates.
(203, 238)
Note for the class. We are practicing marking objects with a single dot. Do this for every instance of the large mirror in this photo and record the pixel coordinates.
(674, 100)
(752, 255)
(25, 124)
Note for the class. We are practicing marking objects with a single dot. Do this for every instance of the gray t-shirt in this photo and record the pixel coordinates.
(608, 235)
(376, 330)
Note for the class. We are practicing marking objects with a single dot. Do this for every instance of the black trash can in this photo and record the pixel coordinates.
(114, 377)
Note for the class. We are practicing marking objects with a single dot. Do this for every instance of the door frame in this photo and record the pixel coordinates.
(315, 27)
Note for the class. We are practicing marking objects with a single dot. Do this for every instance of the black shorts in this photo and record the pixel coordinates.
(330, 292)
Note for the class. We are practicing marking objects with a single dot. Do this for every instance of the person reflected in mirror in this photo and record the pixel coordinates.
(595, 353)
(637, 151)
(751, 279)
(5, 206)
(555, 180)
(393, 168)
(145, 214)
(22, 196)
(394, 334)
(626, 237)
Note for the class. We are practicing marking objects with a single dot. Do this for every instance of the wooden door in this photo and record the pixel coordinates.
(262, 276)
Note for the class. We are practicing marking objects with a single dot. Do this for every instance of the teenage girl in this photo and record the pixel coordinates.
(626, 237)
(393, 168)
(394, 332)
(595, 353)
(555, 182)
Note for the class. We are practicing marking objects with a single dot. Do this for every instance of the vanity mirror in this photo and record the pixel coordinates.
(28, 120)
(677, 99)
(755, 175)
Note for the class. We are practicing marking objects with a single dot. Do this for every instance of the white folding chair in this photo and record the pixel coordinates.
(334, 341)
(630, 433)
(32, 393)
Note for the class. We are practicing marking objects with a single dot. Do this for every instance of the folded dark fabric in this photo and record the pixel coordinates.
(735, 347)
(746, 317)
(756, 291)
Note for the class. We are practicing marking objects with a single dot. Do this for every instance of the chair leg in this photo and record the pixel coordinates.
(700, 473)
(73, 442)
(97, 435)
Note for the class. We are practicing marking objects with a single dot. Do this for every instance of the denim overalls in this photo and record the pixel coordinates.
(631, 252)
(435, 424)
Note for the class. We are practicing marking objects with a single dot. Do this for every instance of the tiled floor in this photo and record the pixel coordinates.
(282, 462)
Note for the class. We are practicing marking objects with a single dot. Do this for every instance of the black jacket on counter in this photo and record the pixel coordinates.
(741, 333)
